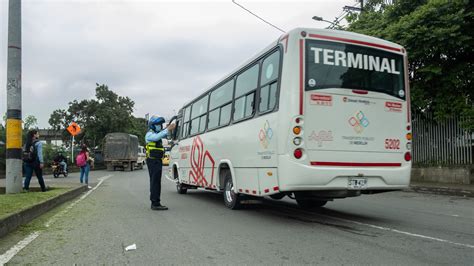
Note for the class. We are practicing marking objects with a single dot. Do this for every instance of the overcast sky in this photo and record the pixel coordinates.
(161, 54)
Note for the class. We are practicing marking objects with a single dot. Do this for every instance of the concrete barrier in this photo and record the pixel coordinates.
(447, 175)
(10, 223)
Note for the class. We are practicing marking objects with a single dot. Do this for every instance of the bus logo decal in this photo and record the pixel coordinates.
(321, 136)
(358, 122)
(198, 161)
(265, 134)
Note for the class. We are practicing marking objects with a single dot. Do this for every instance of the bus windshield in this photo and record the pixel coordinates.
(339, 65)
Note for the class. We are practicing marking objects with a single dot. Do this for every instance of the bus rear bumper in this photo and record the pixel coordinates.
(296, 176)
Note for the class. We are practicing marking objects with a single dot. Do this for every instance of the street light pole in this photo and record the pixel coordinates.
(13, 123)
(317, 18)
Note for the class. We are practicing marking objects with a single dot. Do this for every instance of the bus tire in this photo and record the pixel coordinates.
(180, 188)
(310, 203)
(231, 199)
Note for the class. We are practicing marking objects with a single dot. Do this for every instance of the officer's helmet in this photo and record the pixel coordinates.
(155, 120)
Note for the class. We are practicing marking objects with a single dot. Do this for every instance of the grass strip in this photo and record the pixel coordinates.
(13, 203)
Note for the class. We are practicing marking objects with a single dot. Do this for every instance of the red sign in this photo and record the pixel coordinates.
(74, 129)
(393, 106)
(320, 99)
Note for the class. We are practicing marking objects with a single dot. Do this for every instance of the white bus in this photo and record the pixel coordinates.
(317, 115)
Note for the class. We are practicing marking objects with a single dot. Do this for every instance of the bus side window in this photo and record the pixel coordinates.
(187, 117)
(220, 104)
(245, 88)
(199, 115)
(269, 82)
(177, 130)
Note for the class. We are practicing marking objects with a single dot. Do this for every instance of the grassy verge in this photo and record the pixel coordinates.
(12, 203)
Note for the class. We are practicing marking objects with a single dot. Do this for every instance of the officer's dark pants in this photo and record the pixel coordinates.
(154, 169)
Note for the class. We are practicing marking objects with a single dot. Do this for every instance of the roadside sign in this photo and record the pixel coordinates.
(74, 129)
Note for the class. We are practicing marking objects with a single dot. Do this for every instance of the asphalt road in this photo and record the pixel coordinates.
(393, 228)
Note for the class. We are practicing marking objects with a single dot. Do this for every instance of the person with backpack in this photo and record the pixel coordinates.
(82, 161)
(33, 160)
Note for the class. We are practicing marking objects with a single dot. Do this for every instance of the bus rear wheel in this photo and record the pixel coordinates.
(231, 199)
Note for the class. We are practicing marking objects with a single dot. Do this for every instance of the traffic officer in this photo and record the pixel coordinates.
(154, 154)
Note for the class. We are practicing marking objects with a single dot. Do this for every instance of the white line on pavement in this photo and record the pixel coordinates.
(7, 256)
(396, 231)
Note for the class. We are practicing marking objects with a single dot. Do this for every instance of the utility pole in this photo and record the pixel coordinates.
(13, 124)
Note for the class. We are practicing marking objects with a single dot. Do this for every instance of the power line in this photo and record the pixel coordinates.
(344, 14)
(233, 1)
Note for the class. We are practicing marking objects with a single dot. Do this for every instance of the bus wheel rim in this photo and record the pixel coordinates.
(228, 194)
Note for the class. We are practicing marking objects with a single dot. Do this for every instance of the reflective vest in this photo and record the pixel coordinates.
(155, 150)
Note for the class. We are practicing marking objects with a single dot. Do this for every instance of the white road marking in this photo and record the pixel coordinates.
(396, 231)
(57, 216)
(8, 255)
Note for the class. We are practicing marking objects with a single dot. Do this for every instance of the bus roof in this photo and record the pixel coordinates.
(338, 34)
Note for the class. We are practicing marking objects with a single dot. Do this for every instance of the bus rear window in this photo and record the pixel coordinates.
(339, 65)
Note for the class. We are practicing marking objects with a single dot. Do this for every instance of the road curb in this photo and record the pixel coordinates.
(10, 223)
(441, 191)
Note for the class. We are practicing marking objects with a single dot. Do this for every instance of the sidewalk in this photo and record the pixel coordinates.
(442, 189)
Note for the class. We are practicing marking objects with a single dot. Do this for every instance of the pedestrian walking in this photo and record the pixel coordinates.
(83, 160)
(154, 156)
(33, 160)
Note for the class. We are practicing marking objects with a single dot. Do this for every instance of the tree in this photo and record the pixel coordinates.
(107, 113)
(439, 41)
(30, 122)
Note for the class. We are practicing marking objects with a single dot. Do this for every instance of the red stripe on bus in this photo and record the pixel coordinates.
(266, 190)
(276, 188)
(301, 76)
(360, 91)
(355, 41)
(356, 164)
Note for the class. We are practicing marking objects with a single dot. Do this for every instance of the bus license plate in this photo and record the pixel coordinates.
(357, 183)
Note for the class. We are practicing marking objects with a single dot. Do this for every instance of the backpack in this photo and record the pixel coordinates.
(29, 153)
(81, 159)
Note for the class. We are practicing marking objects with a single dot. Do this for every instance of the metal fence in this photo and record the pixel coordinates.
(441, 143)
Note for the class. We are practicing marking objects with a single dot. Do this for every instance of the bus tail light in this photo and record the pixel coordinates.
(407, 156)
(297, 141)
(297, 130)
(298, 153)
(409, 136)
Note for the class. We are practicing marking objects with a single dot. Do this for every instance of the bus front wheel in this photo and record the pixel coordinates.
(231, 199)
(180, 188)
